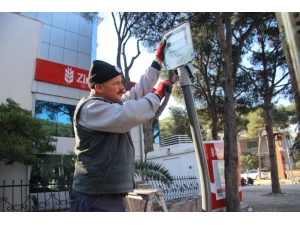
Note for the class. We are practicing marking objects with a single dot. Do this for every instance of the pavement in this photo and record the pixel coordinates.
(259, 197)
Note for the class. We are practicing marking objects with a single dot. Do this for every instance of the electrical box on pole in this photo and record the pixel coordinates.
(179, 54)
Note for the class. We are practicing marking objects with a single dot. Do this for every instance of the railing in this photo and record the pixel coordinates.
(176, 139)
(181, 187)
(55, 197)
(33, 197)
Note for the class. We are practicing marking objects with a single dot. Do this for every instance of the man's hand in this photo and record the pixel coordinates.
(163, 88)
(160, 51)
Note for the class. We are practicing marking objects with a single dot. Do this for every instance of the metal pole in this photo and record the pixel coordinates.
(184, 79)
(291, 33)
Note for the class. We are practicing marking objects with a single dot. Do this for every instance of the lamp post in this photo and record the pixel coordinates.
(179, 53)
(185, 73)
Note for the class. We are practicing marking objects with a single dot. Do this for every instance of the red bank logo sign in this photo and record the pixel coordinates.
(56, 73)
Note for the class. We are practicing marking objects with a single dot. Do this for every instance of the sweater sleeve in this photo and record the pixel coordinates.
(118, 118)
(145, 85)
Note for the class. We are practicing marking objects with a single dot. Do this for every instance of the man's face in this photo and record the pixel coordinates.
(111, 90)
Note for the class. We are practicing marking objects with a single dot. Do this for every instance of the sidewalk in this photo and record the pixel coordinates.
(268, 181)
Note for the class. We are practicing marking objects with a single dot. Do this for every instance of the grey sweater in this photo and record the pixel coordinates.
(104, 148)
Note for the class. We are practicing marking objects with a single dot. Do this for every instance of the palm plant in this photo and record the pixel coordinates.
(57, 168)
(61, 168)
(152, 170)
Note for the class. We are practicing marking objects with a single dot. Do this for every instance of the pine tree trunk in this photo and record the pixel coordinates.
(230, 134)
(214, 130)
(272, 150)
(148, 137)
(230, 151)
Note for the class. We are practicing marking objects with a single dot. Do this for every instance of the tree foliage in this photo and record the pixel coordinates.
(256, 122)
(297, 159)
(241, 124)
(208, 82)
(150, 28)
(21, 134)
(167, 127)
(283, 117)
(89, 16)
(249, 161)
(181, 120)
(207, 89)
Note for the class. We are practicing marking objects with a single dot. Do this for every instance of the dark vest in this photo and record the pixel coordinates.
(105, 161)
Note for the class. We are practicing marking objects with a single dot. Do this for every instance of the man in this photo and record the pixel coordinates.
(104, 169)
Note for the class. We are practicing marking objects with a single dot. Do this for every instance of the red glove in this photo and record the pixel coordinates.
(163, 89)
(160, 51)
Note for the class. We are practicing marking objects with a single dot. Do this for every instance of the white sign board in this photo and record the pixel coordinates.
(179, 48)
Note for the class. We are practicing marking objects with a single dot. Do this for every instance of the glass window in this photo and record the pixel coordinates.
(252, 144)
(56, 117)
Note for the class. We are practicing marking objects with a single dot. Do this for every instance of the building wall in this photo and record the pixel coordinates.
(254, 151)
(67, 38)
(20, 45)
(13, 175)
(61, 37)
(178, 159)
(283, 150)
(29, 36)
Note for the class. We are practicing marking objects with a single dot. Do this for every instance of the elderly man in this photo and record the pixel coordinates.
(104, 169)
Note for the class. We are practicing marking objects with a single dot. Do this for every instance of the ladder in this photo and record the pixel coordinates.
(147, 195)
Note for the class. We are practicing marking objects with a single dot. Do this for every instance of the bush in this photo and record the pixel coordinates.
(21, 134)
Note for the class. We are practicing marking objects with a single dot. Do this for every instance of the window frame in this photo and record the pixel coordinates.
(249, 144)
(57, 122)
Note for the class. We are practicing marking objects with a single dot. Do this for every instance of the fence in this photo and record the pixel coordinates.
(181, 187)
(34, 197)
(54, 197)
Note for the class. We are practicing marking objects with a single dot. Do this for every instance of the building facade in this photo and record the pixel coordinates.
(283, 143)
(45, 59)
